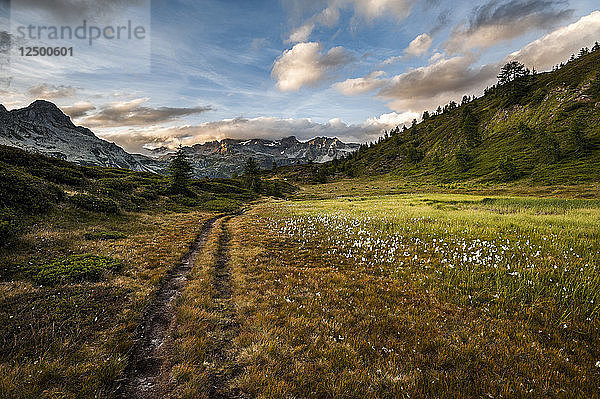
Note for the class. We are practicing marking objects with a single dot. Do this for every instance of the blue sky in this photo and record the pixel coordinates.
(349, 68)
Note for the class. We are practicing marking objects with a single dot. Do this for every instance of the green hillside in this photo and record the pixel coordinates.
(541, 129)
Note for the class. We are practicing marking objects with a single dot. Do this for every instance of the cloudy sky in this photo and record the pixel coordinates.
(209, 69)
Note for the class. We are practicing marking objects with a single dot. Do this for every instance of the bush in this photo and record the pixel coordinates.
(105, 235)
(579, 141)
(149, 193)
(412, 154)
(190, 202)
(321, 175)
(548, 148)
(75, 268)
(436, 160)
(52, 169)
(120, 185)
(538, 96)
(277, 188)
(95, 204)
(594, 89)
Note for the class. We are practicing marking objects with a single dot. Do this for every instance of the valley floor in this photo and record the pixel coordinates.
(335, 293)
(418, 295)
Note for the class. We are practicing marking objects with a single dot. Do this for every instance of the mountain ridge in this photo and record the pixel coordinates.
(43, 128)
(227, 157)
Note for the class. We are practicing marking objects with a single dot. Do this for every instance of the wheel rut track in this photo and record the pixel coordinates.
(222, 356)
(146, 375)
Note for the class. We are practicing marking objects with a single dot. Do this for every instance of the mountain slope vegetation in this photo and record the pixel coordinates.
(540, 128)
(32, 184)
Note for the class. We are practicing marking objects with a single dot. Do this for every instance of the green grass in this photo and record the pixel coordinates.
(82, 251)
(32, 184)
(94, 204)
(66, 322)
(75, 268)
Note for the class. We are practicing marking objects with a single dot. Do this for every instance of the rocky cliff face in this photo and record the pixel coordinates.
(43, 128)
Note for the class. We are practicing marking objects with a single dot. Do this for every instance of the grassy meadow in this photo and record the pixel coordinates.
(70, 339)
(83, 251)
(362, 288)
(418, 295)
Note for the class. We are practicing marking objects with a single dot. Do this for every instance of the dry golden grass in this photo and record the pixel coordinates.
(479, 298)
(196, 319)
(71, 340)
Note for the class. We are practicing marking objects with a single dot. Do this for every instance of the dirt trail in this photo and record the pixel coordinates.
(144, 375)
(222, 356)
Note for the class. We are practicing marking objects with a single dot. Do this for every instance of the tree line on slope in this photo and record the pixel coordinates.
(517, 86)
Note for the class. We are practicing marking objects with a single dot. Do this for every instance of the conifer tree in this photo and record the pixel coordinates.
(180, 173)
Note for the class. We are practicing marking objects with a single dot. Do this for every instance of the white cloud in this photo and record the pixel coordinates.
(368, 10)
(426, 87)
(557, 46)
(371, 9)
(305, 64)
(328, 17)
(435, 57)
(48, 92)
(497, 21)
(445, 79)
(393, 119)
(12, 99)
(78, 110)
(133, 113)
(437, 83)
(419, 45)
(351, 87)
(301, 34)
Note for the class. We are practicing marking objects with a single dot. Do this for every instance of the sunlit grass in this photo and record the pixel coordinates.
(71, 340)
(420, 294)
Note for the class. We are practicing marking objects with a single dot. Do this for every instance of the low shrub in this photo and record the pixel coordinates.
(190, 202)
(75, 268)
(119, 184)
(9, 225)
(95, 204)
(60, 175)
(463, 159)
(507, 170)
(19, 190)
(149, 193)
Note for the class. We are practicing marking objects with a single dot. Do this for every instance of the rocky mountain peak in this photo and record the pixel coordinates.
(42, 127)
(43, 113)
